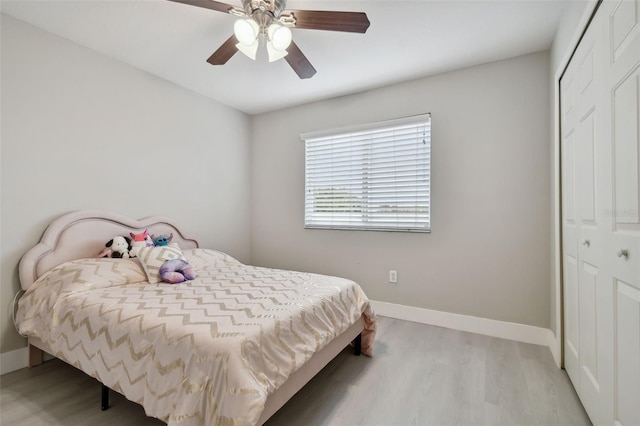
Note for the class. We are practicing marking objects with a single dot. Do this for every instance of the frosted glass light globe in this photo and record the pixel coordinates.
(246, 31)
(280, 36)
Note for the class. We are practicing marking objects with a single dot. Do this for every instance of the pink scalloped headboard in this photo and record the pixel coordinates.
(83, 234)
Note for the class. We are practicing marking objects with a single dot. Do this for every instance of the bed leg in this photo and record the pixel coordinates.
(105, 398)
(357, 346)
(36, 356)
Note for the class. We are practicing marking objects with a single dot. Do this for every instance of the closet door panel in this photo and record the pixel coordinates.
(571, 319)
(594, 285)
(627, 354)
(589, 244)
(622, 72)
(596, 343)
(625, 148)
(623, 34)
(623, 251)
(600, 218)
(570, 229)
(588, 313)
(586, 138)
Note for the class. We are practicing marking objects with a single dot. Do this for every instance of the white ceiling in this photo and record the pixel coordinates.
(406, 40)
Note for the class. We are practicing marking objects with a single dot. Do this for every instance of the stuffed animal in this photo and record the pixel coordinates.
(142, 239)
(161, 240)
(117, 247)
(176, 271)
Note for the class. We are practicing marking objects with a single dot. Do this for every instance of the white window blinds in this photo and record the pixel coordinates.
(373, 177)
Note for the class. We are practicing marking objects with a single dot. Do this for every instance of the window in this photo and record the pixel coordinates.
(373, 177)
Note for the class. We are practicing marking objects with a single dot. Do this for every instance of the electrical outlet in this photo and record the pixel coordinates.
(393, 276)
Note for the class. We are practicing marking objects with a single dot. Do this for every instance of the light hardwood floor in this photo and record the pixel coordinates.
(419, 375)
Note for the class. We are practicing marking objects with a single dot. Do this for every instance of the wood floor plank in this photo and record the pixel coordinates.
(419, 375)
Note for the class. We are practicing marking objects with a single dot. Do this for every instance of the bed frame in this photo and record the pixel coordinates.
(82, 234)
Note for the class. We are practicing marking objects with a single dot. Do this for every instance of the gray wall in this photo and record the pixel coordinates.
(489, 251)
(81, 131)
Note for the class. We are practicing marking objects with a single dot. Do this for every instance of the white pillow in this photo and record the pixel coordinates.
(152, 259)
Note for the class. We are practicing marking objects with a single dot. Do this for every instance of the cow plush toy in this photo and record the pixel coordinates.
(118, 247)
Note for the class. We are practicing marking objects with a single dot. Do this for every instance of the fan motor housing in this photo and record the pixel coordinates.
(273, 7)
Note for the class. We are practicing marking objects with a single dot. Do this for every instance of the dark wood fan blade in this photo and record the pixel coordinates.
(207, 4)
(352, 22)
(299, 62)
(224, 52)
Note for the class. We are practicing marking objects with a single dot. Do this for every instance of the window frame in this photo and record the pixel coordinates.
(424, 225)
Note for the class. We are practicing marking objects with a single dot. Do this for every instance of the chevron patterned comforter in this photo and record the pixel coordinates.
(206, 352)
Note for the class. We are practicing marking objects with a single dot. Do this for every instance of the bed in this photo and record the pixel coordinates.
(230, 347)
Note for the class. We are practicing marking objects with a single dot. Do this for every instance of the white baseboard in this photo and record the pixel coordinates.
(488, 327)
(556, 350)
(14, 360)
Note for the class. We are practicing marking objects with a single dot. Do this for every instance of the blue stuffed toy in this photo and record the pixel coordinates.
(162, 240)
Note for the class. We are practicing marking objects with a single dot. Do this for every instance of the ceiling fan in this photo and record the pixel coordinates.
(267, 20)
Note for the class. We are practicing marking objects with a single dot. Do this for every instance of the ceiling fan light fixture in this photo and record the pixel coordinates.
(279, 36)
(275, 54)
(250, 50)
(246, 31)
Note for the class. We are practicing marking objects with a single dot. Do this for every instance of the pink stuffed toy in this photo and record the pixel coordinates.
(142, 239)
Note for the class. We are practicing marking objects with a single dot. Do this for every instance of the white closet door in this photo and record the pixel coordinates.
(596, 291)
(600, 96)
(588, 294)
(622, 72)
